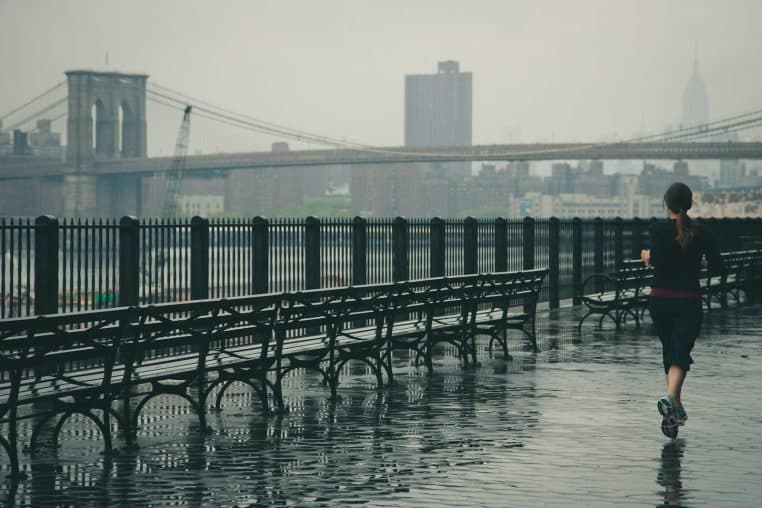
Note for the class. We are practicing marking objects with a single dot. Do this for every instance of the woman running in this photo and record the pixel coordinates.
(679, 247)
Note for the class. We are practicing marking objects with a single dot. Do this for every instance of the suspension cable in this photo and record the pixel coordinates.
(37, 114)
(30, 101)
(693, 131)
(228, 117)
(280, 127)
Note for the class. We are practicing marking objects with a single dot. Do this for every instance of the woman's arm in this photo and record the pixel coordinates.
(647, 252)
(645, 256)
(714, 261)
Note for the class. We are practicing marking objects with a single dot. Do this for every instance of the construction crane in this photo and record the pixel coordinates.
(174, 174)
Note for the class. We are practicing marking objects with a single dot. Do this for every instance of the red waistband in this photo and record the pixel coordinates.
(675, 293)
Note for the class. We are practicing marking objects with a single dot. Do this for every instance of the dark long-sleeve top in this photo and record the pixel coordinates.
(676, 267)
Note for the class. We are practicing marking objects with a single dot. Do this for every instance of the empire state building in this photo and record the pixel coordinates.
(695, 101)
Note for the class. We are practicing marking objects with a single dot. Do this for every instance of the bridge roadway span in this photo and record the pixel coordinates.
(397, 155)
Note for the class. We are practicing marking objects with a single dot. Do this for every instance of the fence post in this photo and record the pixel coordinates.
(528, 248)
(437, 247)
(312, 253)
(637, 238)
(717, 225)
(528, 243)
(470, 246)
(727, 234)
(576, 261)
(753, 226)
(598, 250)
(46, 265)
(754, 230)
(129, 261)
(554, 245)
(400, 264)
(501, 245)
(260, 255)
(359, 251)
(199, 258)
(618, 242)
(747, 231)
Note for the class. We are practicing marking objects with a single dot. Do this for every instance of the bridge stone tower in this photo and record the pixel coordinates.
(107, 116)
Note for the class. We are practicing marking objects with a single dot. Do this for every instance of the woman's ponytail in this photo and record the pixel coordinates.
(679, 199)
(685, 229)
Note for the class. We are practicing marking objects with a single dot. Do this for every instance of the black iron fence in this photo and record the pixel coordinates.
(51, 266)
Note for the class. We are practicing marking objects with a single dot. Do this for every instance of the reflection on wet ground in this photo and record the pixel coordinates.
(573, 425)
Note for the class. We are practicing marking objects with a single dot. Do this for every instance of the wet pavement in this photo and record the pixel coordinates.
(573, 425)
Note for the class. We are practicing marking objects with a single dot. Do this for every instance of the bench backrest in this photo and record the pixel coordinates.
(331, 311)
(43, 349)
(510, 289)
(47, 347)
(167, 330)
(631, 275)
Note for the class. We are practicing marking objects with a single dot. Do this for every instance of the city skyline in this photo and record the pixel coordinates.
(531, 87)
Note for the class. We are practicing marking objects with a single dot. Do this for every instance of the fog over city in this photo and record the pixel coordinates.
(542, 71)
(380, 252)
(92, 112)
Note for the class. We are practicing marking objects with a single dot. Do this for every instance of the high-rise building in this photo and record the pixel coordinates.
(695, 100)
(732, 174)
(5, 141)
(695, 112)
(438, 112)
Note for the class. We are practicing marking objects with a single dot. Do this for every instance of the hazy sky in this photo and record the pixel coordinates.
(560, 70)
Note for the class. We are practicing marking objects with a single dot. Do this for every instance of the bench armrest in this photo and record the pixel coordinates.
(603, 278)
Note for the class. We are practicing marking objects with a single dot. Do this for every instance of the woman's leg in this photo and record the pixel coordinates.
(675, 380)
(685, 330)
(661, 316)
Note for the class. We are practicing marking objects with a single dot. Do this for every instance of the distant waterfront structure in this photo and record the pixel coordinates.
(106, 116)
(203, 205)
(438, 111)
(46, 143)
(5, 141)
(733, 174)
(438, 107)
(695, 112)
(695, 100)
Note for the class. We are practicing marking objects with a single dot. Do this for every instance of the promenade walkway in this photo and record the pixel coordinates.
(574, 425)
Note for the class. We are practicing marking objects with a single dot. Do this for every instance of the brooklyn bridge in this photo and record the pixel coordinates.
(107, 171)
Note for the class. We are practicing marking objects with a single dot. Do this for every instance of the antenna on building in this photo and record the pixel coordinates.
(107, 59)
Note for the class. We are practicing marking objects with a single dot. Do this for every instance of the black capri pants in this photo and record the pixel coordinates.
(677, 322)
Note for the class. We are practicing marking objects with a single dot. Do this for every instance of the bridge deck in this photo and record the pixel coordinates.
(393, 155)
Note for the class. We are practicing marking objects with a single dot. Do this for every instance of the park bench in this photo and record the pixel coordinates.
(742, 273)
(430, 311)
(750, 242)
(509, 303)
(616, 295)
(58, 365)
(323, 329)
(456, 309)
(91, 363)
(625, 292)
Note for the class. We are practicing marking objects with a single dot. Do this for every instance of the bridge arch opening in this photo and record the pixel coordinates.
(100, 128)
(120, 128)
(94, 125)
(128, 131)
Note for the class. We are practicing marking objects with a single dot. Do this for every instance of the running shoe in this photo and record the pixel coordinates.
(680, 415)
(669, 425)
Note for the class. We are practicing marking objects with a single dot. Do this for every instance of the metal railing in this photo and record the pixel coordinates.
(51, 267)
